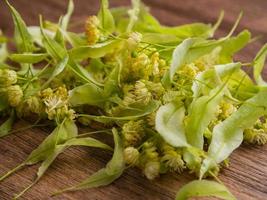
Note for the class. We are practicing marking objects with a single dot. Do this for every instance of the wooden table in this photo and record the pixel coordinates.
(247, 175)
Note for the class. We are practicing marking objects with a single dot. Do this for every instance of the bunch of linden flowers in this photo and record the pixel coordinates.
(172, 97)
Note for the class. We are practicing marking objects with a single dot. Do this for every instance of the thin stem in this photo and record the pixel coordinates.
(12, 171)
(25, 190)
(93, 132)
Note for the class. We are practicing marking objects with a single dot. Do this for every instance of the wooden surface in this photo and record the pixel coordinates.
(247, 175)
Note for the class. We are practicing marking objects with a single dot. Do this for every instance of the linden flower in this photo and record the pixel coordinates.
(14, 95)
(151, 170)
(7, 77)
(131, 155)
(91, 30)
(133, 40)
(133, 132)
(53, 102)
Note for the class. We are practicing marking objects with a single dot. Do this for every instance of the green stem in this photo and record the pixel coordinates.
(12, 171)
(25, 190)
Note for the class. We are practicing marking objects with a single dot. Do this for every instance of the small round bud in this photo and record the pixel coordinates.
(131, 155)
(7, 77)
(133, 40)
(91, 30)
(34, 104)
(152, 169)
(14, 95)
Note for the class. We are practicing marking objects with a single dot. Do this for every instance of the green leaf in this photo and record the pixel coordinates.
(233, 45)
(28, 57)
(88, 141)
(110, 173)
(67, 16)
(160, 38)
(57, 70)
(112, 83)
(224, 70)
(204, 188)
(105, 17)
(259, 62)
(134, 111)
(169, 124)
(61, 133)
(3, 52)
(3, 102)
(52, 47)
(93, 51)
(6, 127)
(23, 39)
(82, 73)
(228, 135)
(178, 59)
(201, 112)
(88, 94)
(133, 14)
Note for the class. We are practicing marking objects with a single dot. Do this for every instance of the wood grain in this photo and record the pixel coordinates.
(247, 175)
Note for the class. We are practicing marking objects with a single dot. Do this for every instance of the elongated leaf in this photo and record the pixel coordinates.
(132, 112)
(89, 94)
(105, 17)
(82, 73)
(110, 173)
(60, 134)
(52, 47)
(178, 58)
(161, 38)
(95, 51)
(3, 102)
(259, 62)
(133, 14)
(28, 57)
(7, 125)
(224, 70)
(22, 37)
(88, 141)
(57, 70)
(112, 83)
(228, 135)
(169, 124)
(201, 112)
(67, 16)
(3, 52)
(204, 188)
(233, 45)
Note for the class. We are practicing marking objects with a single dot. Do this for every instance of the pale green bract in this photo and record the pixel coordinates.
(203, 188)
(228, 135)
(169, 124)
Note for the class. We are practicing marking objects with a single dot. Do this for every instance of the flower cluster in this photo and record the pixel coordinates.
(91, 30)
(8, 80)
(56, 104)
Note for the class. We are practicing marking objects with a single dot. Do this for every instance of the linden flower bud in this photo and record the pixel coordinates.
(7, 77)
(142, 93)
(34, 104)
(133, 40)
(172, 158)
(227, 109)
(91, 30)
(84, 121)
(152, 169)
(14, 94)
(131, 155)
(133, 132)
(255, 136)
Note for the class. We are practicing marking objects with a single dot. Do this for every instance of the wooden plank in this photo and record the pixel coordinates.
(246, 176)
